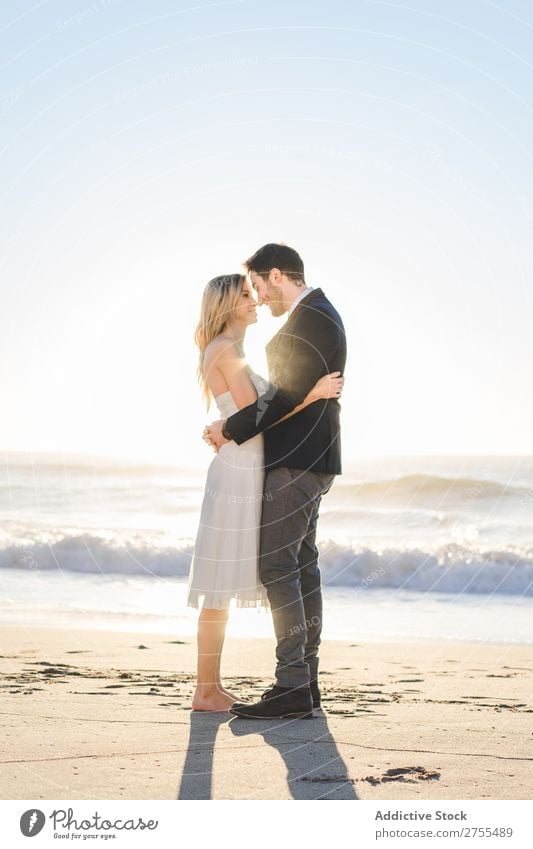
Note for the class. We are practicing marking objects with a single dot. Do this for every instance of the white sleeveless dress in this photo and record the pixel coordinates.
(225, 559)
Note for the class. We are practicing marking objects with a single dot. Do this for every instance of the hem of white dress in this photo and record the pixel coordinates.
(222, 601)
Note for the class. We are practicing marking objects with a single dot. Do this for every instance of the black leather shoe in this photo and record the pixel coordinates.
(277, 703)
(315, 693)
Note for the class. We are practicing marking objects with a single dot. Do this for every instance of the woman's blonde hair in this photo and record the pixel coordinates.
(221, 296)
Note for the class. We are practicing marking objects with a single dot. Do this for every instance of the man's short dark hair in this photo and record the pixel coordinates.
(272, 256)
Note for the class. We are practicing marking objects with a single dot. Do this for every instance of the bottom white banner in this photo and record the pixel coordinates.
(493, 823)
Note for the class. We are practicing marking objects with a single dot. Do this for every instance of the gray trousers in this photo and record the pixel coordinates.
(288, 567)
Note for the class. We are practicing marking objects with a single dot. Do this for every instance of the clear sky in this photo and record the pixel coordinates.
(148, 146)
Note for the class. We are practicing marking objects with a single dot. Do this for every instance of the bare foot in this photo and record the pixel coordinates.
(232, 695)
(213, 701)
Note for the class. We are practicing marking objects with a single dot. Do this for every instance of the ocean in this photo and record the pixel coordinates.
(411, 548)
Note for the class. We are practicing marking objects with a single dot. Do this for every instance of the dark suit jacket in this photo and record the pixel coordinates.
(310, 344)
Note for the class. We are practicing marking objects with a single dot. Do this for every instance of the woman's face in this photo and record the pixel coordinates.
(246, 309)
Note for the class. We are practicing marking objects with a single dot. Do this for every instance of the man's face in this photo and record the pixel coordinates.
(268, 293)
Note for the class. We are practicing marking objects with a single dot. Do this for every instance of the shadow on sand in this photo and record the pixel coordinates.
(313, 764)
(197, 776)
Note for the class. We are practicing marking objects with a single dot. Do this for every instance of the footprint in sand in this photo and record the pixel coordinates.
(406, 774)
(507, 675)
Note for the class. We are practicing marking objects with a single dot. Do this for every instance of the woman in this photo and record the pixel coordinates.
(225, 561)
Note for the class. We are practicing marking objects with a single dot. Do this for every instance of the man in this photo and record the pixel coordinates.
(302, 457)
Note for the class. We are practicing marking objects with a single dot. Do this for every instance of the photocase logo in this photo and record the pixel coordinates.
(31, 822)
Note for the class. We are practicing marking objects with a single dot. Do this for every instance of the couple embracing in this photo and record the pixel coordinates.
(277, 449)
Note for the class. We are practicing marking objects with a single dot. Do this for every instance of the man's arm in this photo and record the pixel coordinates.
(316, 338)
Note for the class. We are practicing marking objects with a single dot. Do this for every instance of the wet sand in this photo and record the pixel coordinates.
(106, 715)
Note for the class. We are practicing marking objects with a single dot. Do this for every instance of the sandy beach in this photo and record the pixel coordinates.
(105, 715)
